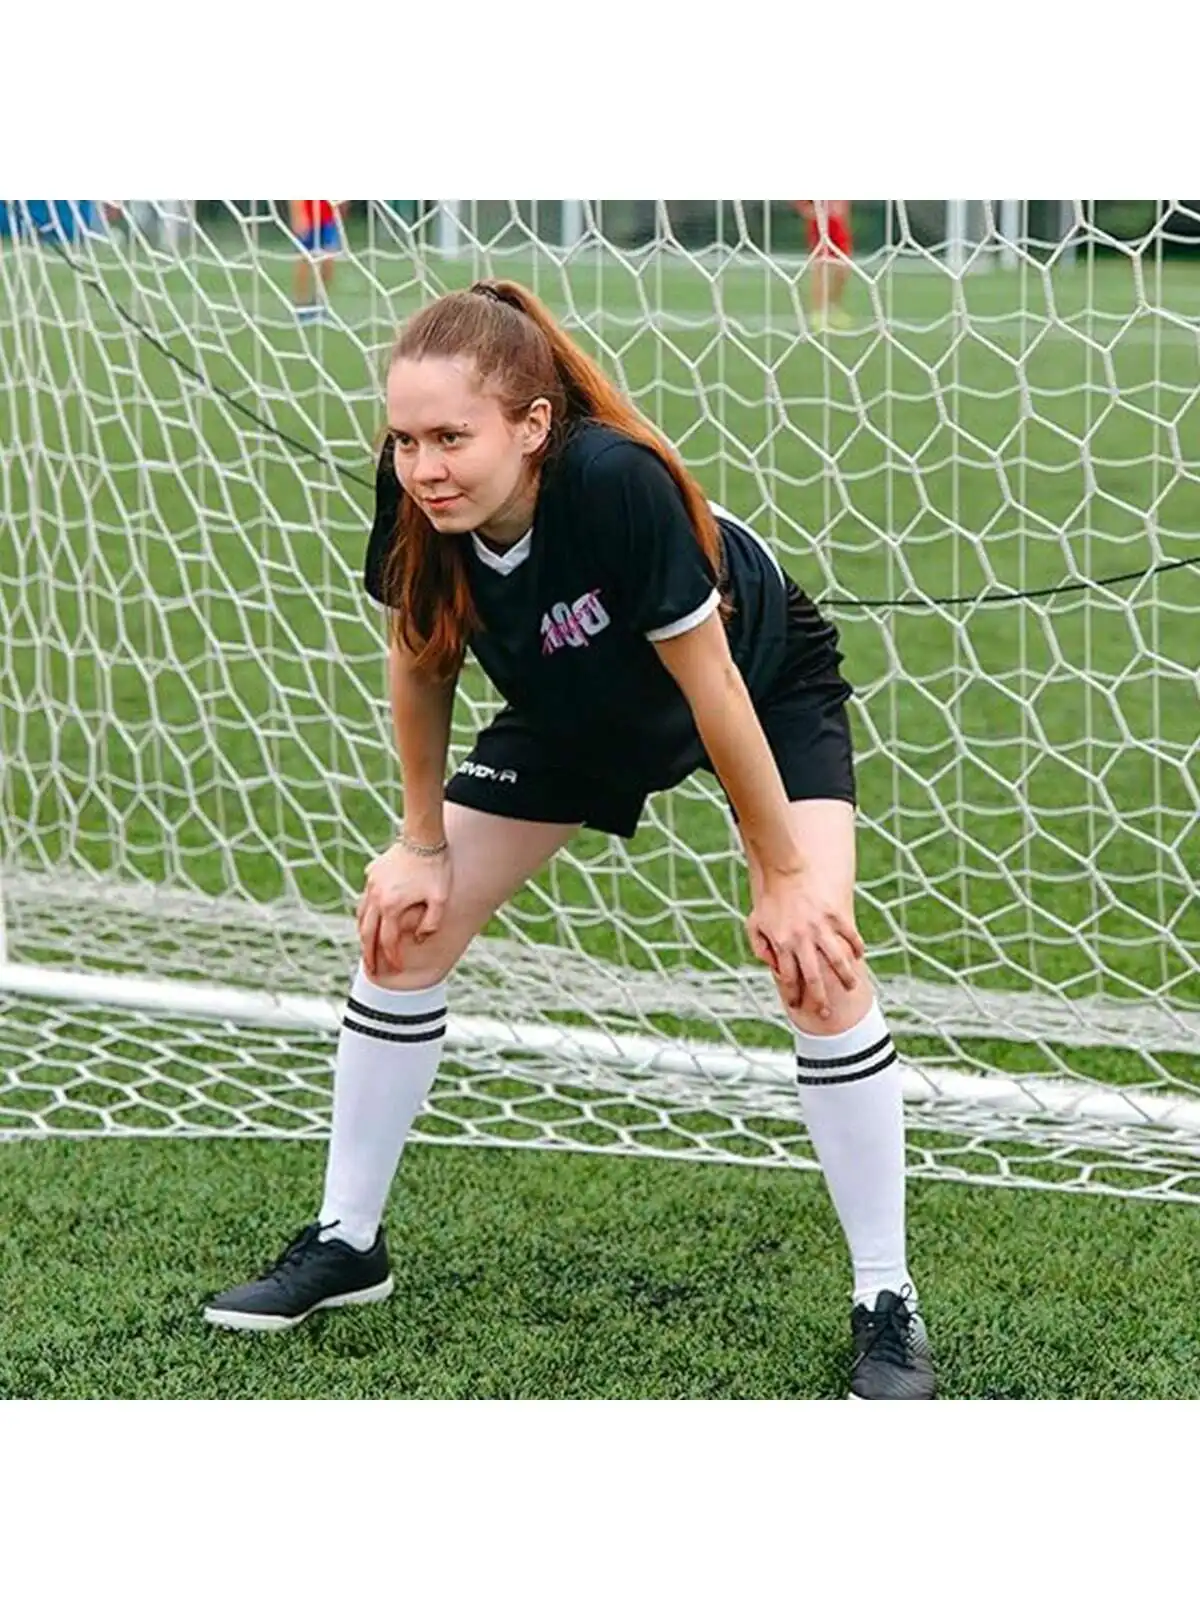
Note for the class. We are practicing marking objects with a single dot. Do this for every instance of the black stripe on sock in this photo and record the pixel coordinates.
(394, 1038)
(844, 1061)
(392, 1016)
(846, 1077)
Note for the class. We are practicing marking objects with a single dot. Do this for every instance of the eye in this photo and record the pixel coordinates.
(401, 441)
(450, 437)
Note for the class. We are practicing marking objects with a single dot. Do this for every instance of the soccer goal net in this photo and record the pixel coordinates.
(987, 469)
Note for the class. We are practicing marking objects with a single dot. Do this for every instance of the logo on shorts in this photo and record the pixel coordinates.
(480, 769)
(575, 624)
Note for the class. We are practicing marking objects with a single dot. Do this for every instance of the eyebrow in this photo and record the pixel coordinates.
(439, 427)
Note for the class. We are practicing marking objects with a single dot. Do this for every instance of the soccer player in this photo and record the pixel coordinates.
(827, 223)
(315, 224)
(525, 511)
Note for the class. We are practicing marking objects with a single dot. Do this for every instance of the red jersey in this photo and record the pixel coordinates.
(315, 213)
(835, 237)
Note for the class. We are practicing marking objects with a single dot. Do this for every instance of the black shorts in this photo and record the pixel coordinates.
(515, 771)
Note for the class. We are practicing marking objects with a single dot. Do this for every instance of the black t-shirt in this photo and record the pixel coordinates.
(570, 614)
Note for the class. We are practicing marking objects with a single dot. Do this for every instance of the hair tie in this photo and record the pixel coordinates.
(488, 291)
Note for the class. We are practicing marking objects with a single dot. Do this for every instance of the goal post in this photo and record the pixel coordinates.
(991, 481)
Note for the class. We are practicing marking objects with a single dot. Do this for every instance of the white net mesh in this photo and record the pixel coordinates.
(195, 738)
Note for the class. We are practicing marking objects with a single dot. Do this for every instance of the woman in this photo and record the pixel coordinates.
(525, 510)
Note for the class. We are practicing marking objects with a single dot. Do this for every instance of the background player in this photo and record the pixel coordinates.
(827, 224)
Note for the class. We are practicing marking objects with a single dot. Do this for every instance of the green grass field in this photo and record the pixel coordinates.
(191, 695)
(543, 1276)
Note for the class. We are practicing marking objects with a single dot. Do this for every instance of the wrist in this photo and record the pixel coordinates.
(786, 871)
(426, 844)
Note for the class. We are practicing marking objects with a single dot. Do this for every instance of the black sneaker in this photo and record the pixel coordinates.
(891, 1352)
(311, 1273)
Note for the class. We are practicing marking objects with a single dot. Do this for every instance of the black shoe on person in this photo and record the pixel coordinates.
(311, 1274)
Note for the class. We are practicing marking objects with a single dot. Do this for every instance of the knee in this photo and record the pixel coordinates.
(847, 1007)
(421, 965)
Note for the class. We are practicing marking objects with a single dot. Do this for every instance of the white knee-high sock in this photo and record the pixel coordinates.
(850, 1094)
(388, 1054)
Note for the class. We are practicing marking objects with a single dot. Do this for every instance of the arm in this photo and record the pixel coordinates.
(407, 890)
(701, 665)
(421, 711)
(789, 928)
(667, 581)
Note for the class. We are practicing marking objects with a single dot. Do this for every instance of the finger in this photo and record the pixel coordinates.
(431, 921)
(762, 946)
(790, 980)
(849, 932)
(368, 935)
(834, 949)
(392, 931)
(809, 962)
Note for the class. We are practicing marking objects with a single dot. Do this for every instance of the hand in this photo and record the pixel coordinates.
(404, 898)
(796, 934)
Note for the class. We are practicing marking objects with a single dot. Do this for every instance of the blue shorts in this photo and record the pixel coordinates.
(326, 238)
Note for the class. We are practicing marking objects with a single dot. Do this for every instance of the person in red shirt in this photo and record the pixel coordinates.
(829, 241)
(318, 233)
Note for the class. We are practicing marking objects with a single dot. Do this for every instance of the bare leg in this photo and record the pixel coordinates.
(491, 857)
(302, 282)
(837, 275)
(848, 1076)
(392, 1035)
(388, 1055)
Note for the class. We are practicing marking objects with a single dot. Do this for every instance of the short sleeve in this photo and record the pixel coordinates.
(637, 511)
(383, 529)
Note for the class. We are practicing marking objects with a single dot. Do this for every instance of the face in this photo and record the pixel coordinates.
(458, 455)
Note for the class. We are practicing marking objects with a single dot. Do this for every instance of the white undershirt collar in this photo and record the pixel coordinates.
(505, 561)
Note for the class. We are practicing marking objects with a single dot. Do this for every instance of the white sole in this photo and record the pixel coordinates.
(860, 1398)
(256, 1322)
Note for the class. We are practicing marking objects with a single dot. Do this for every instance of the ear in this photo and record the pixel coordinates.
(535, 426)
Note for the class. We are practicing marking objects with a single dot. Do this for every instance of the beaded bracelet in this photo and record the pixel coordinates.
(416, 849)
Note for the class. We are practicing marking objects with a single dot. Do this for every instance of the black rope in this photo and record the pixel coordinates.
(920, 602)
(151, 338)
(988, 597)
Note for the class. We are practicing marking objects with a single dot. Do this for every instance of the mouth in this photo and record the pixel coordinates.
(442, 502)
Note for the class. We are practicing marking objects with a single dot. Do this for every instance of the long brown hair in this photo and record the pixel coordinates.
(519, 348)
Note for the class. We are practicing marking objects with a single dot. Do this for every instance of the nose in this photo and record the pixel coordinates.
(429, 467)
